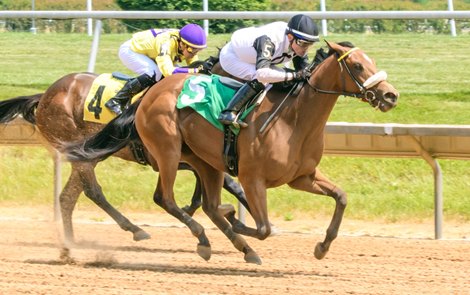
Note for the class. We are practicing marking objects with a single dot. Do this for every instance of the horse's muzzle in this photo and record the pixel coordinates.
(384, 98)
(388, 101)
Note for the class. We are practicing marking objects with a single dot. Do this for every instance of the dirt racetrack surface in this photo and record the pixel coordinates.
(366, 258)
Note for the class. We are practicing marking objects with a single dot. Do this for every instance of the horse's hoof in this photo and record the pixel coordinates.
(252, 257)
(320, 252)
(65, 256)
(204, 252)
(141, 235)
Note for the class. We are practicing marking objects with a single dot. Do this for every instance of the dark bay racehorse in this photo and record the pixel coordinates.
(287, 152)
(58, 115)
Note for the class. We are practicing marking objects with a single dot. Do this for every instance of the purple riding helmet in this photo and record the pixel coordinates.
(194, 36)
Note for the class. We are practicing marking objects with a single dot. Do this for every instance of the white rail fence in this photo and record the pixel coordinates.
(434, 14)
(429, 142)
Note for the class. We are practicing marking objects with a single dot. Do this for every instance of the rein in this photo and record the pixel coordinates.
(271, 117)
(364, 88)
(364, 92)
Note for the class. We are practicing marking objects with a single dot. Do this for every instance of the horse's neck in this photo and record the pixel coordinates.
(327, 76)
(313, 108)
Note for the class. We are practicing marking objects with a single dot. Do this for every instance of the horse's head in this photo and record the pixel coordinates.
(360, 77)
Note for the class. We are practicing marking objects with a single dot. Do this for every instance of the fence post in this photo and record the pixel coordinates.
(90, 20)
(438, 202)
(94, 47)
(33, 21)
(450, 6)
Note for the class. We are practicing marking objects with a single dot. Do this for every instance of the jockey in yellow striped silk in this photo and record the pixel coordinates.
(154, 54)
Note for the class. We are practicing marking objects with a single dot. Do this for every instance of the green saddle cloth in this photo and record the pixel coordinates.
(208, 97)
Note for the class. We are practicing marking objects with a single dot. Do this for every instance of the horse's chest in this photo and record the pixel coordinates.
(285, 168)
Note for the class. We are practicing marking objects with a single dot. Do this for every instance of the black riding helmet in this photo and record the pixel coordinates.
(303, 28)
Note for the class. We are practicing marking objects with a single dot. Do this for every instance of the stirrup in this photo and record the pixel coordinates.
(114, 107)
(227, 118)
(240, 124)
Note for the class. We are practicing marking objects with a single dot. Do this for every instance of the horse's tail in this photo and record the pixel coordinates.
(115, 135)
(24, 106)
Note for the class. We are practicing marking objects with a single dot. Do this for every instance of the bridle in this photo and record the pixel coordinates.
(365, 92)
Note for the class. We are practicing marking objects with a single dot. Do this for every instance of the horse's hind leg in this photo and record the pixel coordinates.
(196, 200)
(230, 185)
(317, 183)
(235, 189)
(93, 191)
(67, 199)
(212, 182)
(166, 200)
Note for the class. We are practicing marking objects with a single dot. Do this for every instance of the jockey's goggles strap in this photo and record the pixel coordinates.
(347, 53)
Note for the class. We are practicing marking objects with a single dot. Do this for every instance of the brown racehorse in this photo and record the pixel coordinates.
(58, 115)
(287, 152)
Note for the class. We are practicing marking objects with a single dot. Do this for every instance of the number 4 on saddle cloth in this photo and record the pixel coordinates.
(104, 87)
(209, 95)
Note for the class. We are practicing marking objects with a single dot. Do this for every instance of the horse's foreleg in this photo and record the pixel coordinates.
(317, 183)
(93, 191)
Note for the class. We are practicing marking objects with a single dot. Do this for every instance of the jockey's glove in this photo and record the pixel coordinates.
(205, 68)
(302, 75)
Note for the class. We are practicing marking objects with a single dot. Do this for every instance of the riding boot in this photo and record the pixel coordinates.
(131, 88)
(247, 92)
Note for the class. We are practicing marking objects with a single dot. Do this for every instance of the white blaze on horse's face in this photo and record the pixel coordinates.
(367, 58)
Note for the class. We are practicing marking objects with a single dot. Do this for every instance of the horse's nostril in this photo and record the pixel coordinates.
(391, 97)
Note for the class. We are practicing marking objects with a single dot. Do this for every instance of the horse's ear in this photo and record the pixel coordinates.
(335, 47)
(327, 43)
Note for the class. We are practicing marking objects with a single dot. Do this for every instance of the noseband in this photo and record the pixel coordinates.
(365, 92)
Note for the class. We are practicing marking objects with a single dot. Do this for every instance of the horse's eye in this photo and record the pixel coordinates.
(358, 67)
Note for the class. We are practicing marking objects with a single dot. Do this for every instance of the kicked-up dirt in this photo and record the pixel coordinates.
(366, 258)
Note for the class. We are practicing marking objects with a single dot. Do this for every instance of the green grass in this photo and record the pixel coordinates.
(430, 72)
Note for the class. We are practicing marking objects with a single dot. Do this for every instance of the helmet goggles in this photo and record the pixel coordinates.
(190, 49)
(303, 43)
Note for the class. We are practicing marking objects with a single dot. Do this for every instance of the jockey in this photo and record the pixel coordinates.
(252, 53)
(153, 54)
